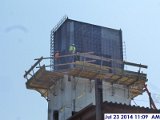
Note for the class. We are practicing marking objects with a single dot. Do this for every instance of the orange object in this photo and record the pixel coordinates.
(152, 104)
(57, 54)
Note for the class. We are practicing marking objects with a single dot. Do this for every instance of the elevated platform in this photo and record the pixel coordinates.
(134, 80)
(43, 79)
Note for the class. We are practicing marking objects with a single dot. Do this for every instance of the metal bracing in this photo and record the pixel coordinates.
(52, 49)
(52, 40)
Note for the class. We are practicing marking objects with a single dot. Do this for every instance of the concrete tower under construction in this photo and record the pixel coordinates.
(92, 75)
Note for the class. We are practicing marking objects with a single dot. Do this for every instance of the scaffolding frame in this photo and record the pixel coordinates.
(42, 80)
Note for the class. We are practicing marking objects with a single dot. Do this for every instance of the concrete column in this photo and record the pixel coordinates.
(98, 98)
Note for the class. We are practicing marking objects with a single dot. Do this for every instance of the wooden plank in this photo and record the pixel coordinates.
(135, 64)
(68, 55)
(27, 72)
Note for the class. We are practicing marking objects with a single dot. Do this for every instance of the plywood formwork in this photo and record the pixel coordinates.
(44, 79)
(133, 80)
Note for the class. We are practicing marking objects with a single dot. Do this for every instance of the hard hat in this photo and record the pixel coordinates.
(73, 44)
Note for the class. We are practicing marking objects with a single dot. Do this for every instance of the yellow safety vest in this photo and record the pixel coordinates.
(72, 49)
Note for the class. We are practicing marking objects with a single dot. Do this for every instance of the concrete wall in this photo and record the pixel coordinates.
(76, 93)
(115, 93)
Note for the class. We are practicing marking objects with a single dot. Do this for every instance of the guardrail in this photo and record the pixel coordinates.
(38, 62)
(88, 57)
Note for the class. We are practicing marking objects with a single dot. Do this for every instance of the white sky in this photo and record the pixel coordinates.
(25, 34)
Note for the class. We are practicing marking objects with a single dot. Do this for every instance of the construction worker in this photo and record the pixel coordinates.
(57, 55)
(57, 61)
(72, 48)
